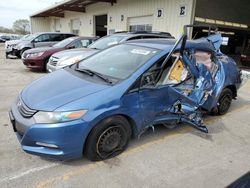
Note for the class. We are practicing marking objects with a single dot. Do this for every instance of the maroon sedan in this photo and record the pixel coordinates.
(37, 58)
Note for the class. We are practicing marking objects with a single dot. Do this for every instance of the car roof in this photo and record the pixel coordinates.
(163, 44)
(39, 33)
(82, 37)
(132, 34)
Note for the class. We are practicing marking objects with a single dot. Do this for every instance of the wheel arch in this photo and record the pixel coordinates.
(233, 89)
(131, 121)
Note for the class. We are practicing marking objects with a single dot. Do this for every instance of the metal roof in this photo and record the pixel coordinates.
(58, 9)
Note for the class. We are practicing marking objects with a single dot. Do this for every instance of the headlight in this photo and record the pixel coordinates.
(243, 56)
(58, 117)
(70, 61)
(19, 47)
(35, 54)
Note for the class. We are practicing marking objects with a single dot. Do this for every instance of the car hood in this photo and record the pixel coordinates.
(74, 52)
(10, 42)
(57, 89)
(42, 49)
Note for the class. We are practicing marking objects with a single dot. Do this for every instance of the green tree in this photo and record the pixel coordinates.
(21, 26)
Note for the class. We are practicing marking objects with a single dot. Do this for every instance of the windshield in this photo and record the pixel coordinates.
(30, 37)
(119, 61)
(106, 42)
(64, 42)
(24, 37)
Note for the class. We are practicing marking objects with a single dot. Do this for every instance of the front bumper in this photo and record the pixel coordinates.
(16, 52)
(34, 63)
(69, 137)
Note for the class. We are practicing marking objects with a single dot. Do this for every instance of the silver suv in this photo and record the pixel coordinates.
(43, 39)
(68, 57)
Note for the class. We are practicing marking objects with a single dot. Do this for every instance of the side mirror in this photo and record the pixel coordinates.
(148, 81)
(36, 40)
(71, 47)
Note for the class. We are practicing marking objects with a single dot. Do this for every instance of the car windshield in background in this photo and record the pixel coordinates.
(119, 61)
(64, 43)
(30, 37)
(106, 42)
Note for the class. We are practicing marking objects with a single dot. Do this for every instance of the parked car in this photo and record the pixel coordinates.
(4, 38)
(245, 57)
(65, 58)
(36, 40)
(37, 58)
(11, 43)
(94, 106)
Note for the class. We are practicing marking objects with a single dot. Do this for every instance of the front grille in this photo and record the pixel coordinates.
(24, 110)
(53, 60)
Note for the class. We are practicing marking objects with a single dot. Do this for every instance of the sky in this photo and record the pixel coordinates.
(11, 10)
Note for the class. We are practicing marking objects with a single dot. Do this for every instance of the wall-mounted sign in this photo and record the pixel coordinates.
(159, 13)
(183, 10)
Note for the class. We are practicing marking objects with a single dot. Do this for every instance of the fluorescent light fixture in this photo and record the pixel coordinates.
(243, 26)
(210, 21)
(229, 23)
(236, 24)
(221, 32)
(199, 19)
(220, 22)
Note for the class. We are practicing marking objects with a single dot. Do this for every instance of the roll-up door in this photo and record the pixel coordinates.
(142, 23)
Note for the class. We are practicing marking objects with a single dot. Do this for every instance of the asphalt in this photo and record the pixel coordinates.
(183, 157)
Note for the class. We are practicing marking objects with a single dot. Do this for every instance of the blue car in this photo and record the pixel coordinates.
(96, 106)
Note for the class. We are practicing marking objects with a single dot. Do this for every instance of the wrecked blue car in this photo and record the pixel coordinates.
(96, 106)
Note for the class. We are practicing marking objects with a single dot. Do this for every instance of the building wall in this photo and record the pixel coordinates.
(171, 21)
(40, 24)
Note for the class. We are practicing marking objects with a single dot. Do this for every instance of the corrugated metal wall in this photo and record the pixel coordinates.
(171, 20)
(40, 24)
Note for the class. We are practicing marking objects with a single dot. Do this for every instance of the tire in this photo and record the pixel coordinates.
(108, 138)
(23, 50)
(224, 101)
(45, 65)
(171, 126)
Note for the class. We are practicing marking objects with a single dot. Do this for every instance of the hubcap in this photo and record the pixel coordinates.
(110, 141)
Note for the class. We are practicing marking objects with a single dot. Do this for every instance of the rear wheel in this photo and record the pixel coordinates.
(224, 102)
(108, 138)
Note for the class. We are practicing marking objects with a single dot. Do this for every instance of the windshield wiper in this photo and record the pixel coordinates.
(92, 73)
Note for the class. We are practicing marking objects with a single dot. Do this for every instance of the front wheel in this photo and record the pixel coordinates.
(22, 51)
(108, 138)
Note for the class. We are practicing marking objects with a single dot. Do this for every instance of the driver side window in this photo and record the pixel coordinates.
(43, 38)
(176, 74)
(150, 77)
